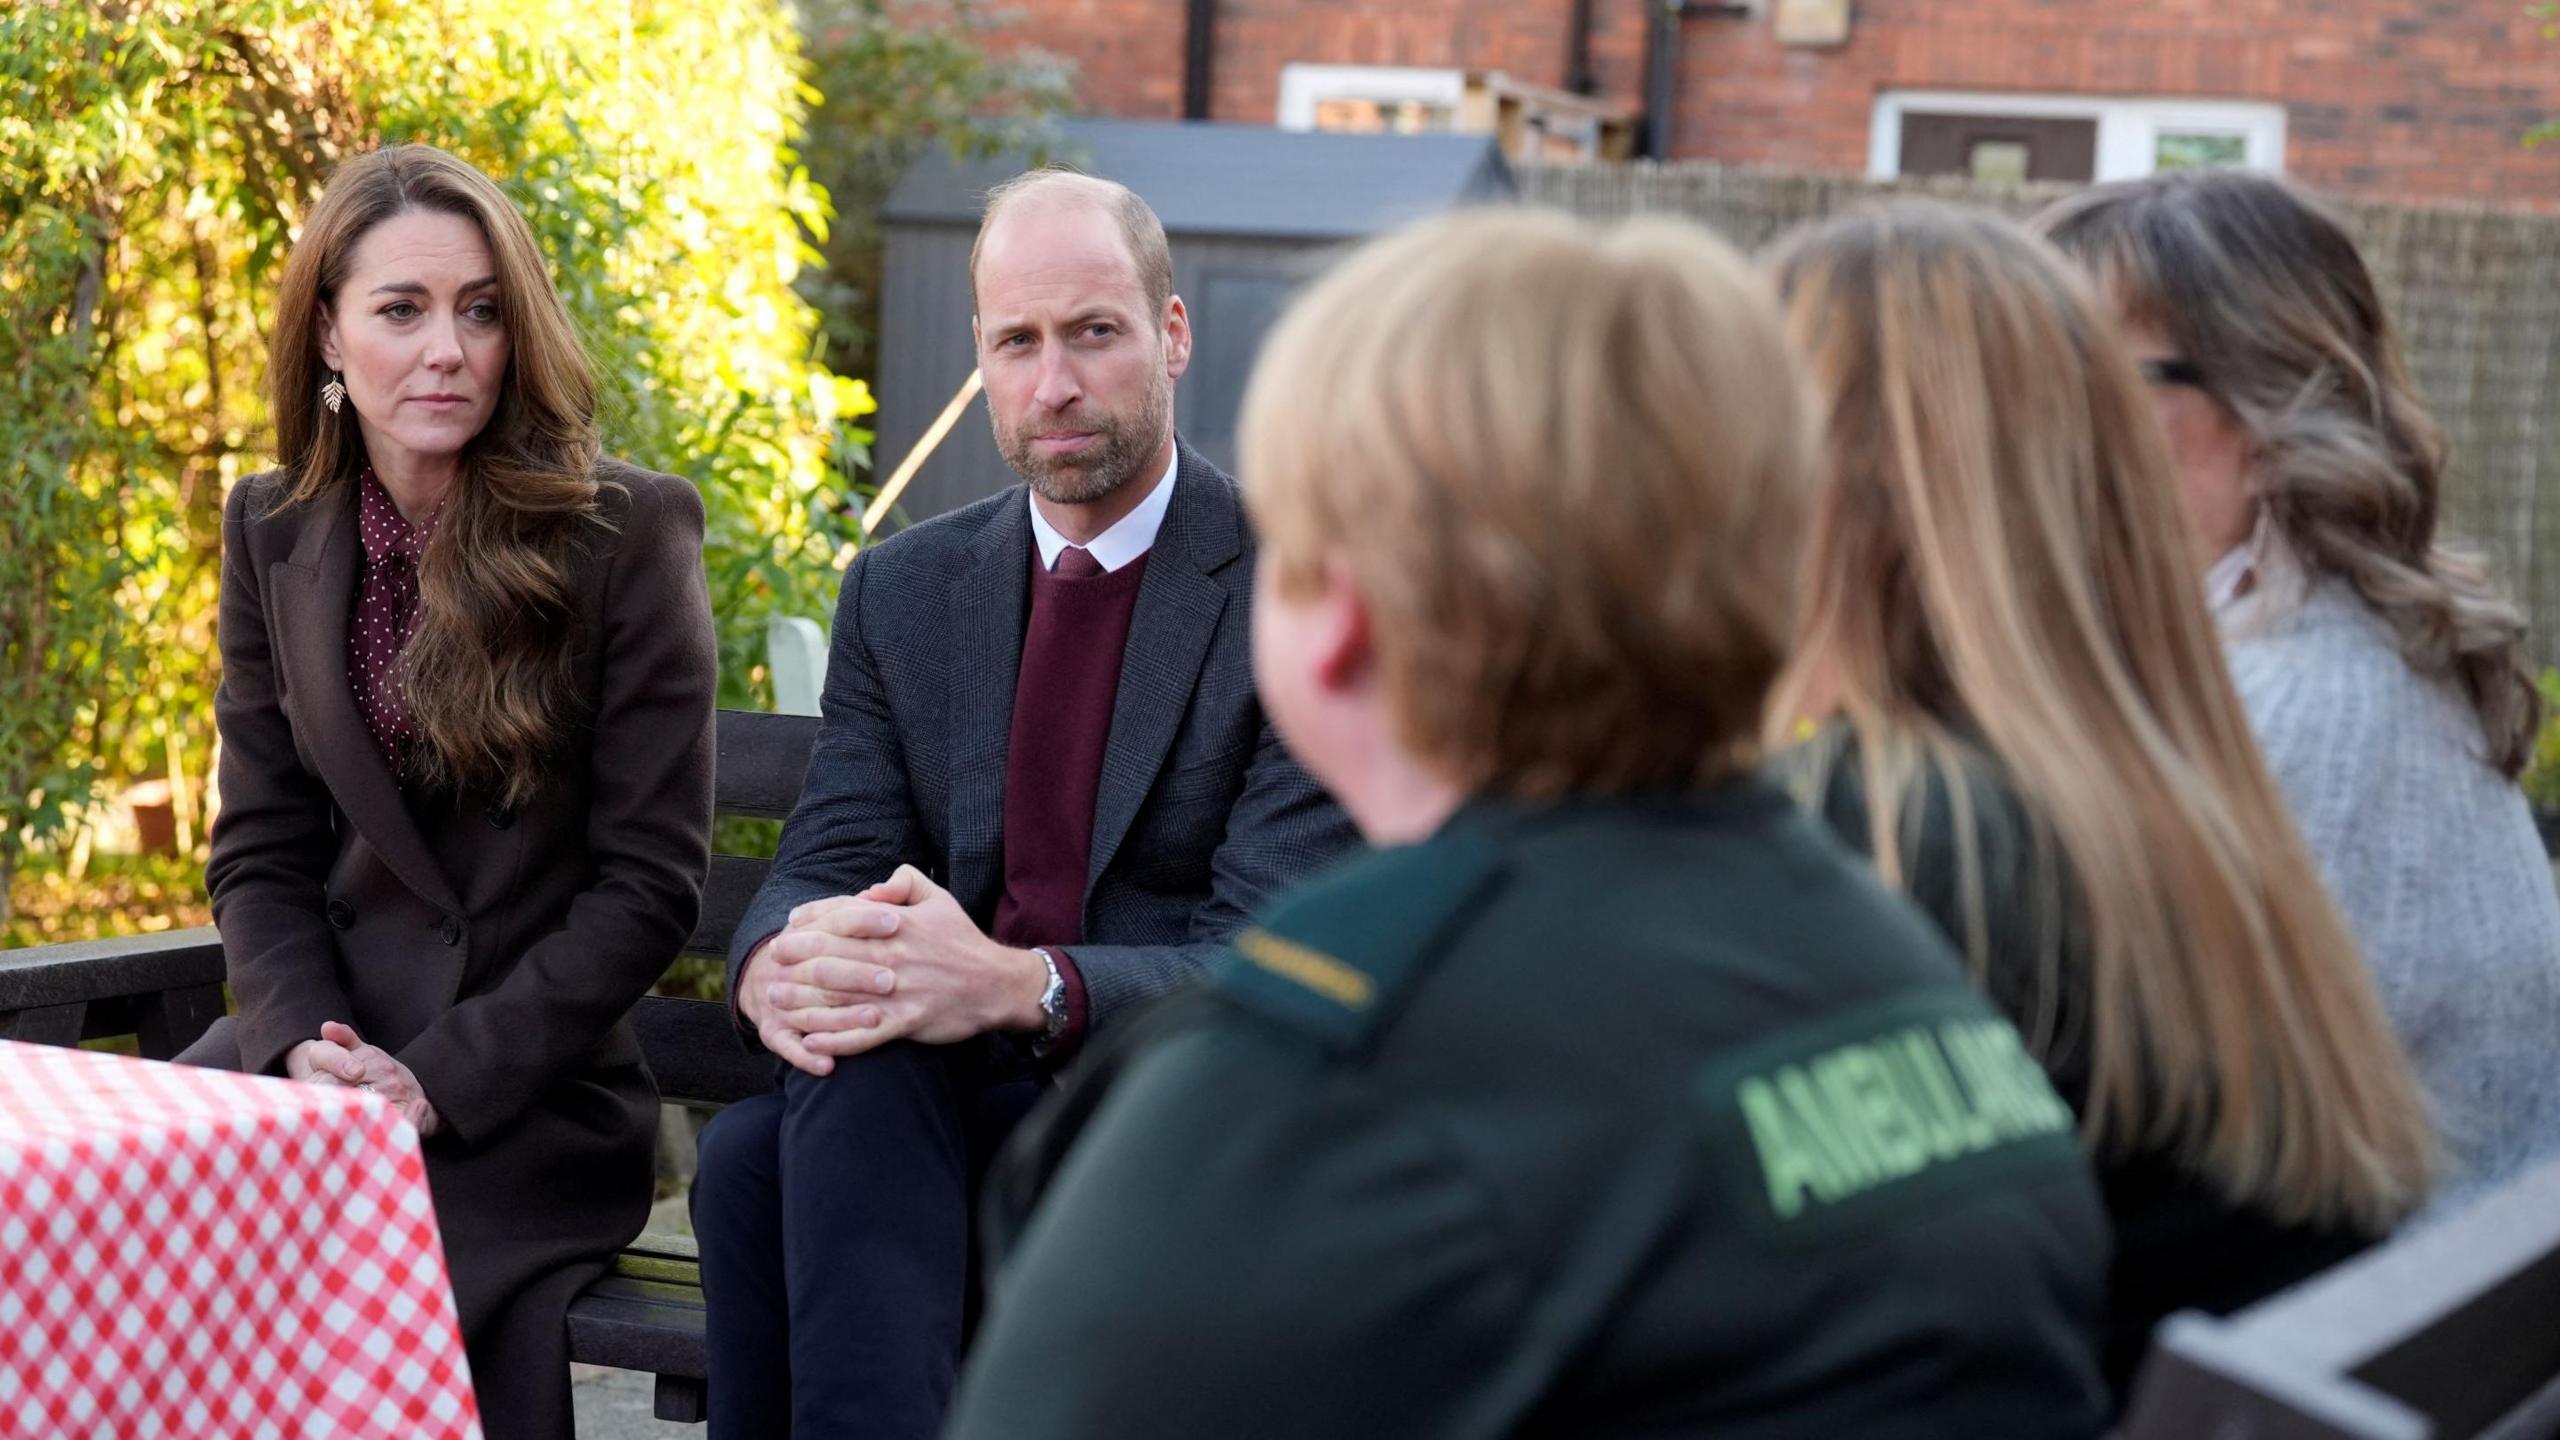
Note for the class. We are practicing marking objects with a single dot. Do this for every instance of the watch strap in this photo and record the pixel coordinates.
(1053, 1000)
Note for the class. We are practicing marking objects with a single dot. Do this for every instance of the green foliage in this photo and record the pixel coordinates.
(2541, 778)
(650, 146)
(112, 895)
(2548, 130)
(66, 78)
(156, 157)
(2201, 152)
(892, 88)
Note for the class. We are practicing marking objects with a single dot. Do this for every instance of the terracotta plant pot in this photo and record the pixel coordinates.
(155, 819)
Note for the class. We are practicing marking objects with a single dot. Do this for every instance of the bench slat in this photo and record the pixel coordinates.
(2444, 1330)
(696, 1052)
(687, 1402)
(762, 760)
(45, 1024)
(666, 1244)
(2487, 1357)
(85, 970)
(659, 1268)
(726, 893)
(172, 1020)
(634, 1324)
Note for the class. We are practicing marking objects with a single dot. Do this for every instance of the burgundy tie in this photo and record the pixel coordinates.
(1077, 563)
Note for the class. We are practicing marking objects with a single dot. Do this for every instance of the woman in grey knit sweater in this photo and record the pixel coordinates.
(2384, 676)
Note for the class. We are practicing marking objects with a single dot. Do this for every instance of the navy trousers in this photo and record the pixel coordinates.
(834, 1216)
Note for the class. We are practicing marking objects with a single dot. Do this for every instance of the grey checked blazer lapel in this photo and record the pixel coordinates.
(1169, 637)
(992, 598)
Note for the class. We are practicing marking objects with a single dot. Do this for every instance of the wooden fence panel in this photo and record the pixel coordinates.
(2475, 290)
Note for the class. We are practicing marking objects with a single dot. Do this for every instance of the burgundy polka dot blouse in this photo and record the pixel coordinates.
(386, 606)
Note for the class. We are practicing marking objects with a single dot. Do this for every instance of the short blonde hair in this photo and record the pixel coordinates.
(1566, 466)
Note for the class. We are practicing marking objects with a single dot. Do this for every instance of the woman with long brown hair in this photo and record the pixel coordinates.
(2383, 673)
(2025, 720)
(467, 678)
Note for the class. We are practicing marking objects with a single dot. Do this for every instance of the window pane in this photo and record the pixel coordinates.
(2200, 152)
(1991, 147)
(1371, 116)
(1998, 161)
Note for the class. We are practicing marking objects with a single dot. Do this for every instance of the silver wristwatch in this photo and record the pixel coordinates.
(1053, 1000)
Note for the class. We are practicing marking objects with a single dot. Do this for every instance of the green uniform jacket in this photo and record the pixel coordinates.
(1650, 1117)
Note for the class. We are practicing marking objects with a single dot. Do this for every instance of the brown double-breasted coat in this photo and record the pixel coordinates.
(495, 952)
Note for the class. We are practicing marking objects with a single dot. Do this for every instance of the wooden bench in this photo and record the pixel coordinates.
(165, 989)
(2444, 1334)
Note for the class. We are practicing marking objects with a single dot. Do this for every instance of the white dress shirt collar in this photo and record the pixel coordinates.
(1132, 536)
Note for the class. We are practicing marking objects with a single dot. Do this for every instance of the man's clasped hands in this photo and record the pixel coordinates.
(900, 961)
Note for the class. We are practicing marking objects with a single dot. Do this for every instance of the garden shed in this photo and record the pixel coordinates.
(1250, 212)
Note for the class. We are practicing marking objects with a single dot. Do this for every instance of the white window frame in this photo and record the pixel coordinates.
(1303, 87)
(2129, 129)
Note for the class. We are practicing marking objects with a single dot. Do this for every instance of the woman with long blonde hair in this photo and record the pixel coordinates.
(2025, 719)
(2383, 673)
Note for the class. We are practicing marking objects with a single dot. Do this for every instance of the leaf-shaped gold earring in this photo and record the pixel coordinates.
(333, 394)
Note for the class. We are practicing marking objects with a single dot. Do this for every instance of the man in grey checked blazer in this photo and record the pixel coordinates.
(1043, 794)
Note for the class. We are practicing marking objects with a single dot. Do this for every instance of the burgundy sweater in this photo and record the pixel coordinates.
(1062, 699)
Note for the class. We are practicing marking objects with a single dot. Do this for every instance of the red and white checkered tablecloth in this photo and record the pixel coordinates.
(186, 1253)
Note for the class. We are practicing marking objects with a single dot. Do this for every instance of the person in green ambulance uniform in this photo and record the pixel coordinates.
(1606, 1096)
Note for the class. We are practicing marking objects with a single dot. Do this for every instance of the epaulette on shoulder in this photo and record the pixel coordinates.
(1332, 959)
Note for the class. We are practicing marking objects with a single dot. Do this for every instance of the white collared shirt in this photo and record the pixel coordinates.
(1132, 536)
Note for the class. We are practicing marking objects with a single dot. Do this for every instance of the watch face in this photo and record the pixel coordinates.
(1053, 1000)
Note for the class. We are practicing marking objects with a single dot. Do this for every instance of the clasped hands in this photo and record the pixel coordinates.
(900, 961)
(341, 1057)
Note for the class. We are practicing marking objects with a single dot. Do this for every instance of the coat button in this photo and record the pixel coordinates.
(451, 931)
(342, 914)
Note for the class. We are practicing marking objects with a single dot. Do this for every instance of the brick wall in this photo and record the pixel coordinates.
(1128, 53)
(2384, 98)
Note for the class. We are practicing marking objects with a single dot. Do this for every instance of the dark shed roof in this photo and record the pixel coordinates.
(1248, 180)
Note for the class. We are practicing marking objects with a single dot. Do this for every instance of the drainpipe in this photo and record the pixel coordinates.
(1662, 64)
(1577, 55)
(1199, 47)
